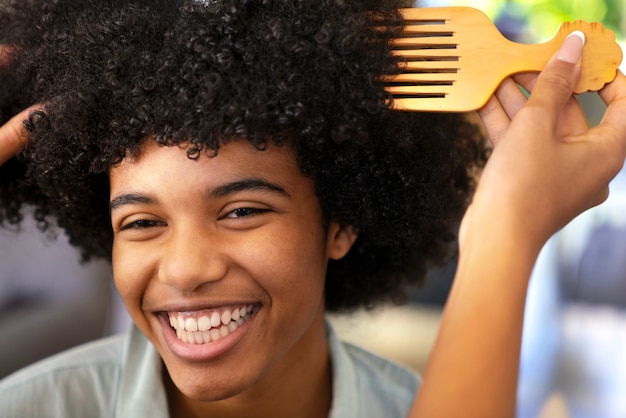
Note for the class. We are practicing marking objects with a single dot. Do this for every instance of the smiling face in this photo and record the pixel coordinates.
(221, 263)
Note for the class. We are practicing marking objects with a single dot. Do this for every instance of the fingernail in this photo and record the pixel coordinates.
(572, 48)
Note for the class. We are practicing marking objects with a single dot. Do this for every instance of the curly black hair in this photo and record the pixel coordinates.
(112, 73)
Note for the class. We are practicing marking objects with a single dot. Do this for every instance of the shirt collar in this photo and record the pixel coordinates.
(142, 393)
(344, 404)
(141, 389)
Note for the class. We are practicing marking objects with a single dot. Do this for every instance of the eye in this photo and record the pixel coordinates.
(141, 224)
(245, 212)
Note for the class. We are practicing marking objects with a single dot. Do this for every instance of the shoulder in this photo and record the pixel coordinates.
(383, 376)
(368, 386)
(79, 382)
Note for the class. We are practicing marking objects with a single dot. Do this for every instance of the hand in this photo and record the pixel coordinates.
(13, 136)
(548, 165)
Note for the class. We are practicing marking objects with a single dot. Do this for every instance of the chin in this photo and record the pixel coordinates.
(204, 386)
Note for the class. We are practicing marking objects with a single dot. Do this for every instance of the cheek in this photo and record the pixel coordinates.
(130, 279)
(290, 265)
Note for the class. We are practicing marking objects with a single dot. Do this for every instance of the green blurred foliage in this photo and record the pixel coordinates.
(543, 17)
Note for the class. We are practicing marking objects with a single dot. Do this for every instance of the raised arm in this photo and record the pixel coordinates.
(546, 168)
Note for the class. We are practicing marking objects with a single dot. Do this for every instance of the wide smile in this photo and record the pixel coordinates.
(210, 325)
(205, 334)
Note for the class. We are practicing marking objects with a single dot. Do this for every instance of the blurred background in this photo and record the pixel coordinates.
(572, 366)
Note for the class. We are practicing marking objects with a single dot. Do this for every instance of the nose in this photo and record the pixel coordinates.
(192, 258)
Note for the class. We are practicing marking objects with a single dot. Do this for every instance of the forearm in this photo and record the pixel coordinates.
(473, 367)
(547, 168)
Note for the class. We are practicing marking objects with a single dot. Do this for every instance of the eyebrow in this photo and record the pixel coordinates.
(251, 184)
(131, 199)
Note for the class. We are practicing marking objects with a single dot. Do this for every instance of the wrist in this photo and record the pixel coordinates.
(504, 242)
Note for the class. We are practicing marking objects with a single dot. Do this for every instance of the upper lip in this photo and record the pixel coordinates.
(202, 306)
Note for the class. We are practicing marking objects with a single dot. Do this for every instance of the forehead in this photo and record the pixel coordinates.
(160, 166)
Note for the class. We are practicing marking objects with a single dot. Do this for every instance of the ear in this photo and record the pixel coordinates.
(340, 240)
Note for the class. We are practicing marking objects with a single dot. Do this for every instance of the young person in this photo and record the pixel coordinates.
(238, 163)
(251, 227)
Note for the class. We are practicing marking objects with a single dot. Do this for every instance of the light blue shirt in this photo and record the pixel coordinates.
(121, 377)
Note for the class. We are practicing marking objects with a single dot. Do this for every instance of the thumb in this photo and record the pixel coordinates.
(556, 82)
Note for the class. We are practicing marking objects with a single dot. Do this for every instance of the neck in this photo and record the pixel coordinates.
(300, 385)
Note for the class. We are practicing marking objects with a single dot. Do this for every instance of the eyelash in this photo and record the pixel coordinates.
(141, 224)
(236, 213)
(245, 212)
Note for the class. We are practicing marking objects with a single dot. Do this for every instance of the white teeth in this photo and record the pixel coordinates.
(191, 324)
(210, 327)
(204, 323)
(225, 318)
(224, 331)
(235, 315)
(216, 320)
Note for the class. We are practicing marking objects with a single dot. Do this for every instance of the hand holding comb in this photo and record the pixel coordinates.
(454, 58)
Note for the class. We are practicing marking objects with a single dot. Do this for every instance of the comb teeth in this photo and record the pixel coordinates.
(453, 58)
(426, 34)
(429, 59)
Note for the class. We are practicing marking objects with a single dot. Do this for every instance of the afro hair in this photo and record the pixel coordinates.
(112, 73)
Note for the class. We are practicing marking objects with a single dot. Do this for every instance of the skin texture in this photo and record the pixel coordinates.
(192, 235)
